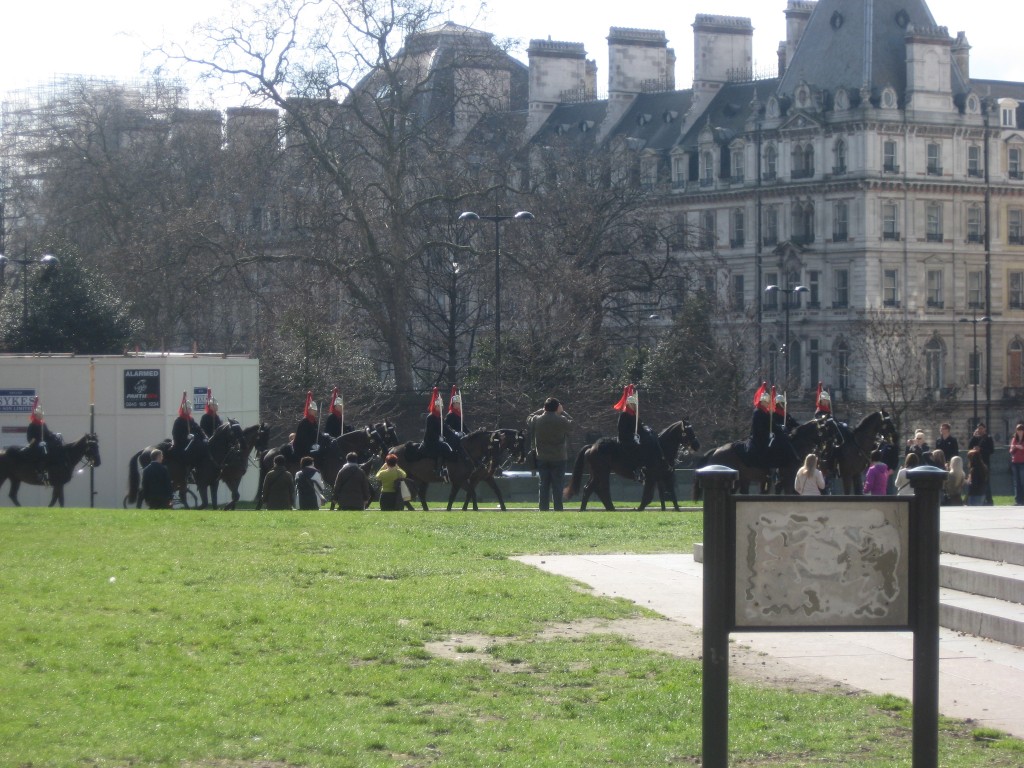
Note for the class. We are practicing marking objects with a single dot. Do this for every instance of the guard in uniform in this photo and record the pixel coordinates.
(211, 416)
(44, 446)
(758, 448)
(782, 452)
(306, 432)
(187, 439)
(454, 428)
(637, 441)
(334, 424)
(434, 445)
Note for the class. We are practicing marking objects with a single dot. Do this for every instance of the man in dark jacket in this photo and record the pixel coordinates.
(981, 439)
(947, 443)
(186, 437)
(211, 416)
(549, 430)
(278, 488)
(308, 485)
(334, 424)
(305, 442)
(156, 486)
(351, 487)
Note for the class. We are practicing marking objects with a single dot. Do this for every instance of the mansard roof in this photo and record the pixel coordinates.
(576, 123)
(855, 44)
(730, 109)
(655, 120)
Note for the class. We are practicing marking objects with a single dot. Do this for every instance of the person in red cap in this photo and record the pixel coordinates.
(211, 416)
(184, 431)
(334, 424)
(307, 431)
(43, 448)
(639, 444)
(434, 445)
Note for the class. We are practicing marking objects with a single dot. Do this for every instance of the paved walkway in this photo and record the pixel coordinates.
(978, 679)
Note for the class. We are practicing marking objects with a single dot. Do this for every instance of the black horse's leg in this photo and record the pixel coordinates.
(497, 492)
(647, 496)
(15, 485)
(604, 492)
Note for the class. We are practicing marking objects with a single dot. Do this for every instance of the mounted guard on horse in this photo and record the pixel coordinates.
(334, 424)
(638, 442)
(44, 448)
(768, 446)
(188, 441)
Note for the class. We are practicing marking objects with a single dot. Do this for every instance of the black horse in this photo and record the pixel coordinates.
(503, 445)
(232, 462)
(605, 457)
(812, 436)
(850, 455)
(14, 468)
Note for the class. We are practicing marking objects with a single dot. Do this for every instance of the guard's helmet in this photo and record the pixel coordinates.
(338, 402)
(766, 398)
(38, 412)
(780, 400)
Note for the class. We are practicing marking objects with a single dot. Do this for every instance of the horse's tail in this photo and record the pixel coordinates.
(577, 474)
(133, 478)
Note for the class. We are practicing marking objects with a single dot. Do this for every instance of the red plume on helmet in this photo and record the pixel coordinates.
(822, 400)
(184, 407)
(759, 396)
(309, 409)
(209, 401)
(627, 403)
(434, 406)
(35, 416)
(455, 402)
(333, 401)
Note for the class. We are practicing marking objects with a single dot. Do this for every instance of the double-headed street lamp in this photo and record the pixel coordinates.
(46, 262)
(790, 292)
(497, 218)
(975, 362)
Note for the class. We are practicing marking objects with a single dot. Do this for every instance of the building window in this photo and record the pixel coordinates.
(737, 159)
(1015, 364)
(889, 157)
(934, 289)
(974, 169)
(1015, 290)
(934, 160)
(707, 169)
(974, 368)
(890, 288)
(975, 289)
(840, 157)
(707, 230)
(771, 163)
(1013, 163)
(890, 221)
(1008, 117)
(679, 163)
(1015, 226)
(814, 289)
(803, 223)
(840, 222)
(771, 298)
(771, 225)
(843, 367)
(737, 237)
(841, 289)
(813, 362)
(803, 161)
(974, 233)
(738, 299)
(933, 217)
(933, 365)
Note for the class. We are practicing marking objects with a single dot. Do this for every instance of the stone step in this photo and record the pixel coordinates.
(982, 616)
(986, 578)
(982, 547)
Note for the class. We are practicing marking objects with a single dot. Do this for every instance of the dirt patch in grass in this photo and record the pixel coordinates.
(653, 634)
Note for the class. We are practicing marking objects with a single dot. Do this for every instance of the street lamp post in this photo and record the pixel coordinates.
(975, 362)
(46, 262)
(497, 218)
(789, 292)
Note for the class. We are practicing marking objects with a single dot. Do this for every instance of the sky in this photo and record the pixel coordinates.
(43, 39)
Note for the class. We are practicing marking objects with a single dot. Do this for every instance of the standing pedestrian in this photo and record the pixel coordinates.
(156, 486)
(952, 492)
(550, 429)
(278, 487)
(977, 477)
(351, 486)
(809, 480)
(981, 439)
(876, 479)
(947, 443)
(903, 488)
(1017, 464)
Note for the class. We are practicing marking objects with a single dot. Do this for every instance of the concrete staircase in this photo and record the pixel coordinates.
(981, 581)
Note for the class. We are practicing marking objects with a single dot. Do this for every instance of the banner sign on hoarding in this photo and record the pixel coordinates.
(198, 398)
(16, 400)
(141, 388)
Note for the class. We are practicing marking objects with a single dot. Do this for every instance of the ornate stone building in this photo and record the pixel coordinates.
(873, 172)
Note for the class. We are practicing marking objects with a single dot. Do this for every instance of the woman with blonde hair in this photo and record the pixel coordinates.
(809, 480)
(952, 491)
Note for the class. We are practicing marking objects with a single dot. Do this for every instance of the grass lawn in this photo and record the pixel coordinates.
(298, 639)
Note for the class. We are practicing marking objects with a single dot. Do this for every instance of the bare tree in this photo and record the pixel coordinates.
(892, 360)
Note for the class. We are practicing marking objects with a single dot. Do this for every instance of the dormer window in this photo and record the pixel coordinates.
(707, 169)
(1008, 113)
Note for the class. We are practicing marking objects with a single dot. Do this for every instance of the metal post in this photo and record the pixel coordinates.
(497, 292)
(716, 481)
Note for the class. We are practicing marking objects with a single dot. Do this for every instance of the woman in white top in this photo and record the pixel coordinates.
(809, 480)
(903, 488)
